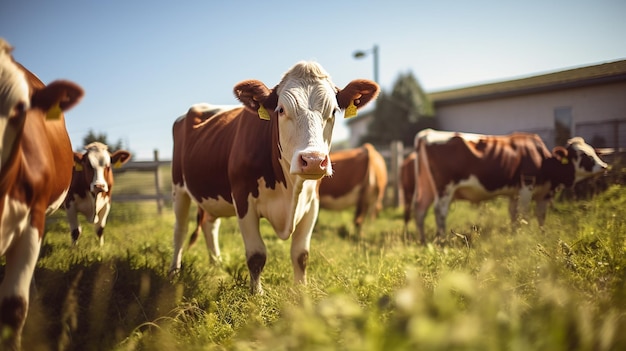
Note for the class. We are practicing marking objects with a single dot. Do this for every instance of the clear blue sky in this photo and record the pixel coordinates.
(143, 63)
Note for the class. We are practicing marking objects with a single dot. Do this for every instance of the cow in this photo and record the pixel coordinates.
(35, 174)
(359, 179)
(92, 184)
(475, 167)
(264, 159)
(407, 181)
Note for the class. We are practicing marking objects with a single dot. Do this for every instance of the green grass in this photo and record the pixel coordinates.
(559, 288)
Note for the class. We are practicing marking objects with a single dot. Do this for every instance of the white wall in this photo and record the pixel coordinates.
(536, 112)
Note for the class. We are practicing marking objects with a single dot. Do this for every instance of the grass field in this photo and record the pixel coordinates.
(562, 288)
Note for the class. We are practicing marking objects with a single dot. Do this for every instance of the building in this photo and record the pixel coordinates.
(587, 101)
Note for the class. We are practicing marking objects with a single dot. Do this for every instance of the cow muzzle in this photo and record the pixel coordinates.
(99, 188)
(312, 165)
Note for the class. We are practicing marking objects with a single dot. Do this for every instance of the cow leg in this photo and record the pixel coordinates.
(423, 197)
(523, 201)
(420, 215)
(362, 210)
(71, 213)
(256, 253)
(210, 228)
(101, 221)
(301, 242)
(182, 203)
(14, 291)
(442, 205)
(541, 208)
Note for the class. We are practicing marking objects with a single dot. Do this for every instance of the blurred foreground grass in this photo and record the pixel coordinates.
(562, 288)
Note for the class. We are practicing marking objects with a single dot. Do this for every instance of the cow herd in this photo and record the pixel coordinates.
(269, 158)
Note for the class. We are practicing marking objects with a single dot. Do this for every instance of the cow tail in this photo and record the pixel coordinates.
(200, 218)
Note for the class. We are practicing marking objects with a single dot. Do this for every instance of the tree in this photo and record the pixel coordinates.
(401, 114)
(101, 137)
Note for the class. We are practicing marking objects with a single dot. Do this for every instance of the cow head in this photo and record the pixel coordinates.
(583, 156)
(95, 166)
(14, 101)
(305, 104)
(23, 96)
(580, 158)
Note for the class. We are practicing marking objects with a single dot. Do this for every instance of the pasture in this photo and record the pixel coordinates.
(492, 288)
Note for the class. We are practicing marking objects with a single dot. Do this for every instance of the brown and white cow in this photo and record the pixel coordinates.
(35, 173)
(359, 179)
(264, 159)
(476, 167)
(92, 184)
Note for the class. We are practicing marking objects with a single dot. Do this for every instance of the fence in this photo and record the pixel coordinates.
(133, 182)
(605, 134)
(394, 156)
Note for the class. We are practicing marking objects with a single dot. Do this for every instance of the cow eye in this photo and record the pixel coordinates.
(19, 108)
(281, 110)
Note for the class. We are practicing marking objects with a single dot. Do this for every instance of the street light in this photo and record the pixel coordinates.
(362, 53)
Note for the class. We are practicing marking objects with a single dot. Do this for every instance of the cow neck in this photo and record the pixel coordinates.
(300, 190)
(279, 165)
(256, 159)
(557, 173)
(10, 173)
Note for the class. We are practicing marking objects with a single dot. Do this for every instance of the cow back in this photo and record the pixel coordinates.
(497, 162)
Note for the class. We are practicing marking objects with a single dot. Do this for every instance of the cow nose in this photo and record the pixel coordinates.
(313, 164)
(99, 188)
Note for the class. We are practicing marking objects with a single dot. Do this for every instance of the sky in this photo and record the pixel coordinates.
(142, 64)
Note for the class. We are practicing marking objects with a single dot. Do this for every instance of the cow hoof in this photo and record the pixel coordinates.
(216, 260)
(257, 290)
(173, 273)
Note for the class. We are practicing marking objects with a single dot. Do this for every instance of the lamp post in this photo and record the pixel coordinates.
(362, 53)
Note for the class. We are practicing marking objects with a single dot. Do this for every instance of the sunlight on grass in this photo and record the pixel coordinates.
(560, 287)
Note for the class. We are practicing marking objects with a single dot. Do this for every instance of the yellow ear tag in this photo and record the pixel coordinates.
(564, 161)
(350, 110)
(263, 114)
(78, 167)
(117, 164)
(54, 112)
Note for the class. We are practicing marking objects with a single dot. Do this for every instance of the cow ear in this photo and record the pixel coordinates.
(57, 97)
(256, 97)
(560, 153)
(356, 95)
(119, 157)
(78, 161)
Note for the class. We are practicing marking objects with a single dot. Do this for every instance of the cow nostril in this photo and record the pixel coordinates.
(304, 163)
(324, 163)
(98, 188)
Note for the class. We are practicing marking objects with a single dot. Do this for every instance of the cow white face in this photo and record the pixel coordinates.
(14, 101)
(99, 161)
(306, 111)
(586, 161)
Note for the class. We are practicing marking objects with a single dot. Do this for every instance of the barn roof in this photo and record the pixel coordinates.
(572, 78)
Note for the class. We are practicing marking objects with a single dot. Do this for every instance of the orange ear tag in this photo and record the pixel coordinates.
(78, 167)
(350, 110)
(263, 114)
(54, 112)
(564, 161)
(118, 164)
